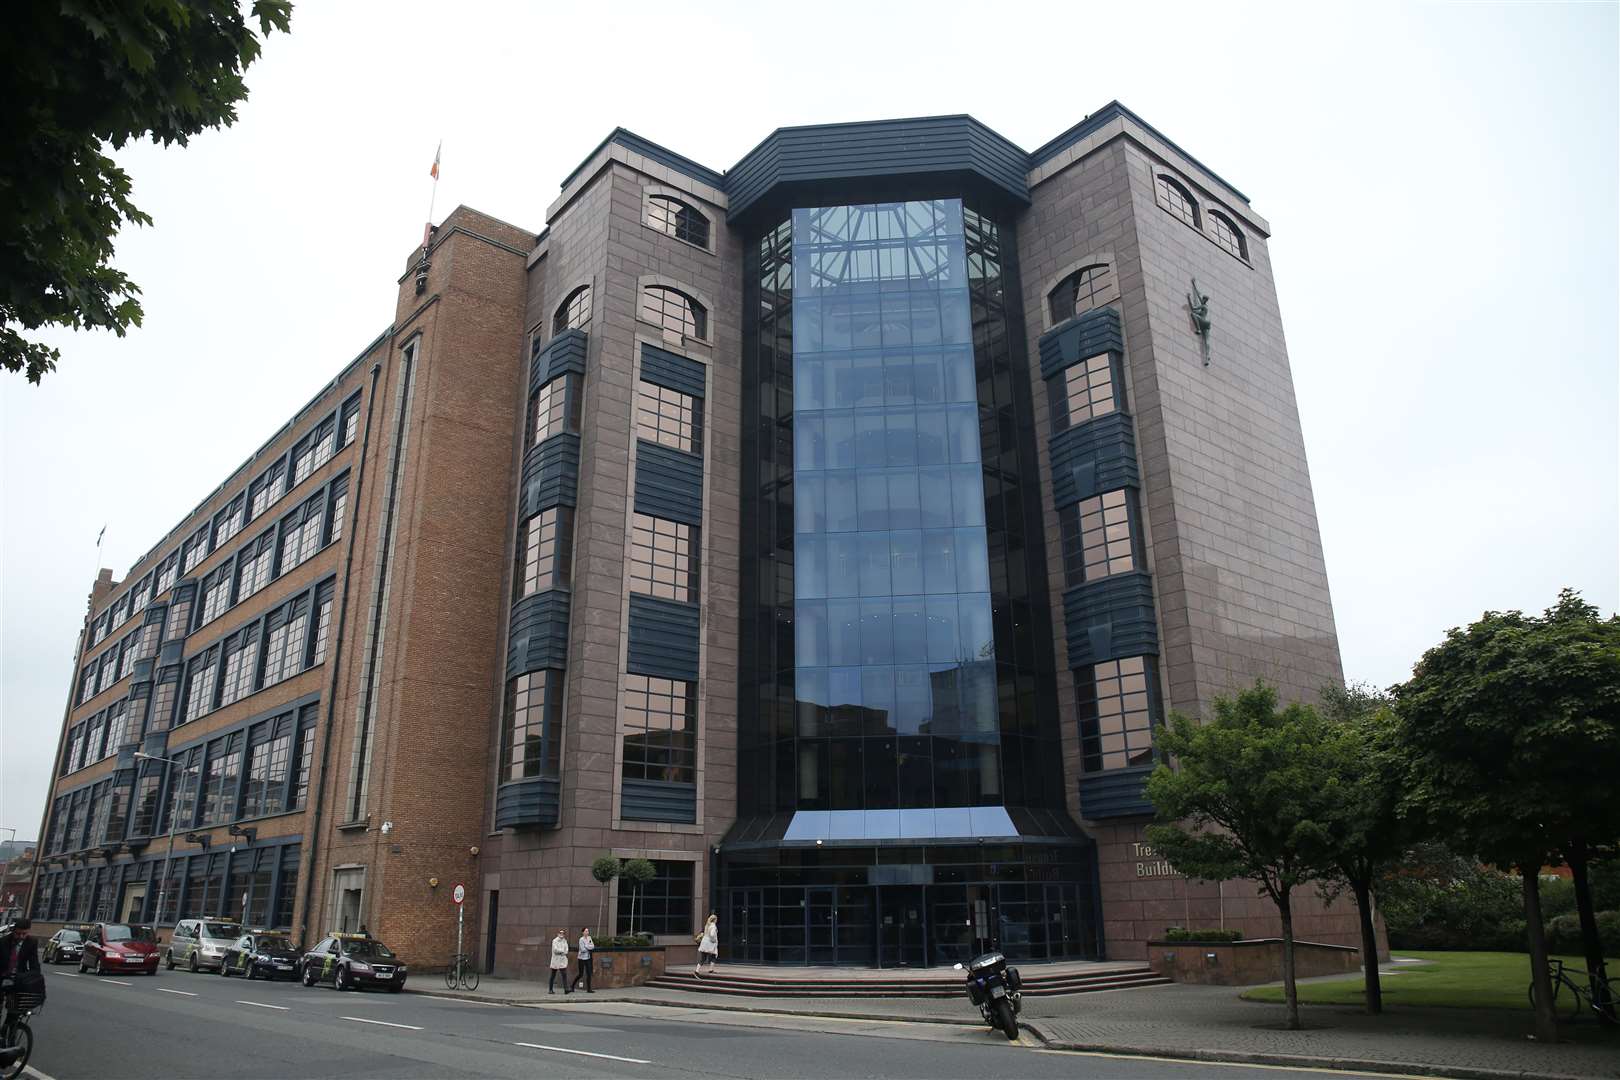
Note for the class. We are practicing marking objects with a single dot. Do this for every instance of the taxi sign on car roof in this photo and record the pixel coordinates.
(351, 937)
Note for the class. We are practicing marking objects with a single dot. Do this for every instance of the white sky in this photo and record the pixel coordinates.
(1442, 180)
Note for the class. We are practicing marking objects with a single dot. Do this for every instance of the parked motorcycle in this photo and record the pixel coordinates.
(997, 990)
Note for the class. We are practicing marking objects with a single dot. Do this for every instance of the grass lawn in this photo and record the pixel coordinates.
(1488, 980)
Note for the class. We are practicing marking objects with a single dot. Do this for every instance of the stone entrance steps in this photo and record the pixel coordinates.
(861, 983)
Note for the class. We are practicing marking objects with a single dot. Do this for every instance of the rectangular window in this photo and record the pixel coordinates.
(109, 669)
(1082, 392)
(164, 693)
(658, 722)
(216, 594)
(664, 904)
(1114, 704)
(669, 417)
(220, 774)
(181, 812)
(146, 799)
(544, 551)
(126, 656)
(287, 891)
(75, 753)
(100, 809)
(117, 813)
(146, 641)
(117, 726)
(98, 630)
(314, 450)
(255, 565)
(179, 620)
(306, 757)
(168, 573)
(259, 881)
(142, 595)
(267, 767)
(1097, 537)
(230, 519)
(323, 624)
(553, 408)
(285, 641)
(241, 661)
(664, 558)
(87, 682)
(350, 424)
(120, 612)
(94, 730)
(270, 486)
(532, 725)
(194, 550)
(337, 506)
(301, 533)
(202, 673)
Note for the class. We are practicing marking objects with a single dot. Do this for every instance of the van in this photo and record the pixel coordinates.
(200, 944)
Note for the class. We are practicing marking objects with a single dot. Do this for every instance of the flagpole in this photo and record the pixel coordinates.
(427, 229)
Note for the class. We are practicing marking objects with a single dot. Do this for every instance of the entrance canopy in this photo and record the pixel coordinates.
(933, 825)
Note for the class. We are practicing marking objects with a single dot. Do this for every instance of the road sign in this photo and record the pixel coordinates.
(459, 893)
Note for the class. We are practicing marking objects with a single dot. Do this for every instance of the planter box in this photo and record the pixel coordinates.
(618, 967)
(1244, 963)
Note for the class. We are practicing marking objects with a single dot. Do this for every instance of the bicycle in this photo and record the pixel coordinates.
(461, 973)
(1580, 997)
(15, 1034)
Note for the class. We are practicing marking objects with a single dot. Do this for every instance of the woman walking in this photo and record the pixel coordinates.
(586, 965)
(708, 946)
(559, 962)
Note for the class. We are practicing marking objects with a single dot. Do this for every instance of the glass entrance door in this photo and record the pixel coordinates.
(821, 926)
(902, 928)
(747, 926)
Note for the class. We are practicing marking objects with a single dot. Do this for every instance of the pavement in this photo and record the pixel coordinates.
(1181, 1021)
(179, 1025)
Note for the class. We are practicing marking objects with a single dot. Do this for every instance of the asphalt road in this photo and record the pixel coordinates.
(180, 1025)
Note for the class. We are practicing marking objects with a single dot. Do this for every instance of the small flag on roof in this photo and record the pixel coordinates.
(434, 172)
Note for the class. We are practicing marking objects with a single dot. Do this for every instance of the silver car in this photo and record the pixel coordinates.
(200, 944)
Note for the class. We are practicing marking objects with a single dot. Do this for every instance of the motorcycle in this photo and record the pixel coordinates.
(997, 990)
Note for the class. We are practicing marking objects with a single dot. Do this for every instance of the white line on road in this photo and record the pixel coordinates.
(112, 982)
(30, 1071)
(585, 1053)
(66, 974)
(380, 1023)
(262, 1005)
(166, 990)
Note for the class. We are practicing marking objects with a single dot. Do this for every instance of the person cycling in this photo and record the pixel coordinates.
(19, 970)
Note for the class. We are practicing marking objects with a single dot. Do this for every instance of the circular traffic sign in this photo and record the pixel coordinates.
(459, 893)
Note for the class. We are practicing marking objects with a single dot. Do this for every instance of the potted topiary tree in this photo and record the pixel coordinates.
(604, 870)
(637, 872)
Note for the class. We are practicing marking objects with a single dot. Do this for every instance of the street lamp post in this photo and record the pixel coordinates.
(163, 889)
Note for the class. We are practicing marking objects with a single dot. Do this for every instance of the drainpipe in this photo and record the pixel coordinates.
(337, 660)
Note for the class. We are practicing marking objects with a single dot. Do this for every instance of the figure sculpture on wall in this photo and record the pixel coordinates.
(1198, 305)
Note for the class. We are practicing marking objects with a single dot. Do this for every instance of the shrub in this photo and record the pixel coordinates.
(1564, 934)
(626, 941)
(1176, 933)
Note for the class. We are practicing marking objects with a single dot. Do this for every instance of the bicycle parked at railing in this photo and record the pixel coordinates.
(461, 974)
(1580, 996)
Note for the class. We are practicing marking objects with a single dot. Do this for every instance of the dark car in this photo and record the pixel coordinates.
(259, 954)
(119, 947)
(66, 945)
(353, 961)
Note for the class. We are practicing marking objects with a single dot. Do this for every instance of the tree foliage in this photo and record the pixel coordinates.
(82, 75)
(1247, 799)
(637, 872)
(1511, 731)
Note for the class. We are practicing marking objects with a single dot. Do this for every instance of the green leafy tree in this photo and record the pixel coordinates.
(604, 870)
(1511, 733)
(1246, 800)
(1364, 786)
(81, 75)
(637, 872)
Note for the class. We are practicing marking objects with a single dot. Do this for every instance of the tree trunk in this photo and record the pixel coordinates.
(1540, 979)
(1290, 990)
(1591, 944)
(1369, 948)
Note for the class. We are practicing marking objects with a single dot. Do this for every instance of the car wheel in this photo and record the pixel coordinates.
(191, 964)
(341, 981)
(82, 968)
(250, 973)
(97, 969)
(396, 988)
(308, 977)
(168, 959)
(225, 968)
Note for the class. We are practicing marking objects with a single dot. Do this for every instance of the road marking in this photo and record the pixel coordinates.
(166, 990)
(584, 1053)
(262, 1005)
(1328, 1070)
(65, 974)
(29, 1070)
(112, 982)
(380, 1023)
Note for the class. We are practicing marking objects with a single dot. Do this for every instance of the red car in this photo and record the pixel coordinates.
(119, 947)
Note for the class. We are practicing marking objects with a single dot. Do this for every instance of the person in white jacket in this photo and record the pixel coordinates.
(559, 962)
(586, 966)
(709, 946)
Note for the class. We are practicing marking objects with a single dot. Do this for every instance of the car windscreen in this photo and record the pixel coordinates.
(219, 929)
(367, 948)
(276, 946)
(68, 937)
(120, 932)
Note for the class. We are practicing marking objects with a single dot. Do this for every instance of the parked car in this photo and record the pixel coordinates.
(66, 945)
(259, 953)
(119, 947)
(201, 943)
(352, 961)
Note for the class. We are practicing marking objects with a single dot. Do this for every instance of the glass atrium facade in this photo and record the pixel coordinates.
(901, 800)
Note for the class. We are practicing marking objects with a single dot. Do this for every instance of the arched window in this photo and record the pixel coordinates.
(1228, 235)
(1178, 200)
(669, 215)
(1087, 288)
(674, 310)
(573, 312)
